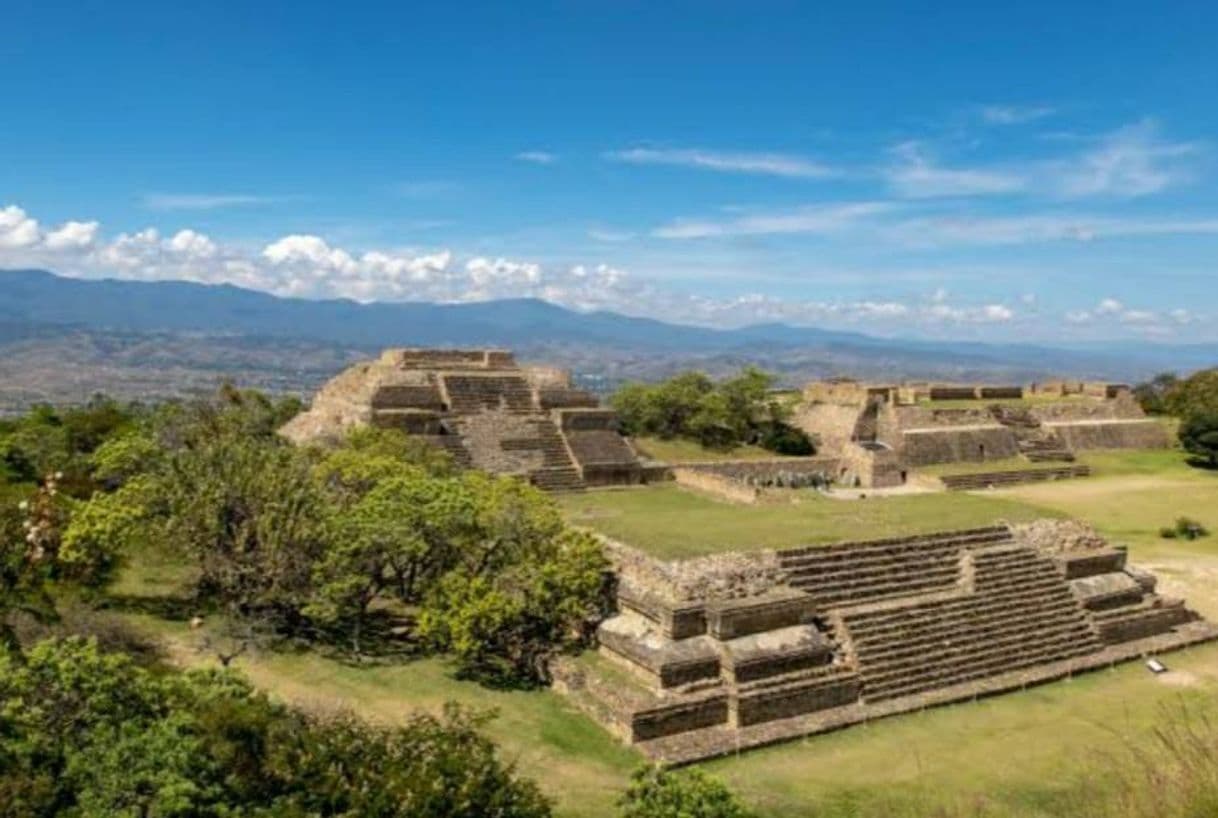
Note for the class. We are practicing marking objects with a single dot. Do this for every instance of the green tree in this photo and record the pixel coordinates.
(721, 415)
(1195, 395)
(658, 793)
(1152, 395)
(250, 514)
(1199, 436)
(504, 625)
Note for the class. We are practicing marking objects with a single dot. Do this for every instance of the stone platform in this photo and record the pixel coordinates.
(769, 646)
(482, 408)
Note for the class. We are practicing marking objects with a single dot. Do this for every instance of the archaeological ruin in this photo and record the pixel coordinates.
(881, 432)
(722, 653)
(738, 649)
(483, 408)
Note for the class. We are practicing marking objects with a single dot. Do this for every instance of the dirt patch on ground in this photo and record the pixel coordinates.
(1178, 678)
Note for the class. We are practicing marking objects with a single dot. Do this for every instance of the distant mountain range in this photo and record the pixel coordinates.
(39, 307)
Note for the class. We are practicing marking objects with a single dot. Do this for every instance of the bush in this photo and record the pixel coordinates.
(657, 793)
(1185, 528)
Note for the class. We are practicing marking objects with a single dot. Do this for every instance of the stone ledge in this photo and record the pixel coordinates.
(720, 741)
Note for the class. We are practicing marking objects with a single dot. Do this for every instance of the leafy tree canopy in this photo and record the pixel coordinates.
(721, 415)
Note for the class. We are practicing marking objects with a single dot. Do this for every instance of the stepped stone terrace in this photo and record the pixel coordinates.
(724, 650)
(483, 408)
(881, 432)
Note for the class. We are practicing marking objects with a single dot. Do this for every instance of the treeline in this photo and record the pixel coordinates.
(719, 415)
(292, 544)
(301, 543)
(1194, 400)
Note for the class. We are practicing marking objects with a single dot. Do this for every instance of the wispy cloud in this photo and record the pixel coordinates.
(915, 175)
(1131, 161)
(1037, 228)
(769, 164)
(537, 157)
(1014, 114)
(204, 201)
(820, 219)
(1144, 321)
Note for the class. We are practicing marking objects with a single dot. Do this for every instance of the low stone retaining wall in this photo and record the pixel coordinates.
(745, 481)
(1111, 434)
(995, 479)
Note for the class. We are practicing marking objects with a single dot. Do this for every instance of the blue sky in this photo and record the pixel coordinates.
(1036, 171)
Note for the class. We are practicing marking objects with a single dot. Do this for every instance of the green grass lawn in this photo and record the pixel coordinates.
(673, 523)
(689, 451)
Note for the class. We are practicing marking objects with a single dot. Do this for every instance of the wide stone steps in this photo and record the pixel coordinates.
(996, 479)
(857, 573)
(472, 393)
(1019, 613)
(877, 658)
(924, 582)
(557, 479)
(951, 620)
(879, 669)
(1065, 649)
(851, 551)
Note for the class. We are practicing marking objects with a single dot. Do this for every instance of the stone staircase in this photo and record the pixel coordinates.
(856, 573)
(998, 479)
(1035, 442)
(558, 471)
(454, 447)
(866, 427)
(473, 393)
(1018, 613)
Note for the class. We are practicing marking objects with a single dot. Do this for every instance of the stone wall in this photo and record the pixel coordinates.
(830, 425)
(428, 358)
(715, 576)
(919, 417)
(924, 447)
(485, 434)
(1113, 434)
(547, 377)
(940, 392)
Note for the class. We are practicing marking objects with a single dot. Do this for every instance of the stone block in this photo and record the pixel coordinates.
(778, 608)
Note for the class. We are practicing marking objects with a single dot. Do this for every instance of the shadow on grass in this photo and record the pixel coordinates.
(171, 608)
(1202, 463)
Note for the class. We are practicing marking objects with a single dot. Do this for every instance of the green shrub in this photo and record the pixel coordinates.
(658, 793)
(1185, 528)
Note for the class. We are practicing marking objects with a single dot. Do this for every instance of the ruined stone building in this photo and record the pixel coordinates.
(717, 654)
(882, 431)
(482, 407)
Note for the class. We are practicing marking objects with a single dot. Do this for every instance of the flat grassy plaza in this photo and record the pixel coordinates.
(1033, 753)
(673, 523)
